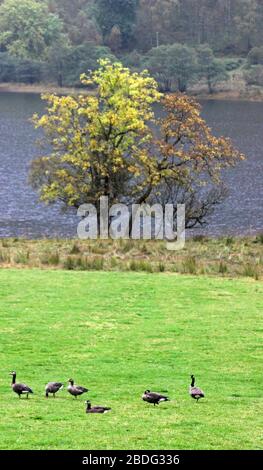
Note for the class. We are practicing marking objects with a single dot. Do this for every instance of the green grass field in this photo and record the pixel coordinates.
(119, 334)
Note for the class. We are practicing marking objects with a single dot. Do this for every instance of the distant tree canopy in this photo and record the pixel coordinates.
(254, 76)
(66, 62)
(104, 145)
(27, 29)
(78, 19)
(175, 63)
(228, 26)
(19, 70)
(120, 14)
(211, 69)
(135, 31)
(177, 66)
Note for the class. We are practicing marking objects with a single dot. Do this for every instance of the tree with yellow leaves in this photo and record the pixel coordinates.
(98, 141)
(102, 143)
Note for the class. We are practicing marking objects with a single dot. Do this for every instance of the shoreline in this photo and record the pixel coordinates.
(229, 96)
(38, 89)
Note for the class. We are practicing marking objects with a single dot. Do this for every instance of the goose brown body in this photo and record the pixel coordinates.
(19, 388)
(154, 398)
(53, 387)
(195, 392)
(96, 409)
(76, 390)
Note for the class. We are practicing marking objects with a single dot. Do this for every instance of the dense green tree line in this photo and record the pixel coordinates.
(228, 26)
(180, 41)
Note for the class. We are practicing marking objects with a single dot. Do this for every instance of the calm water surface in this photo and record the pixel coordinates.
(22, 215)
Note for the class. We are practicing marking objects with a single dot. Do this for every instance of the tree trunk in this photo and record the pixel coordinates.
(60, 77)
(210, 86)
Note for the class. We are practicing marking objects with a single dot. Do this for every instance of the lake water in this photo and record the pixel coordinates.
(21, 215)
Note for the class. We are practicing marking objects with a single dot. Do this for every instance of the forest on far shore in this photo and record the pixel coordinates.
(185, 44)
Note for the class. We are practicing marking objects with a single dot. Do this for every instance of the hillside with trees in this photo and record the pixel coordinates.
(209, 45)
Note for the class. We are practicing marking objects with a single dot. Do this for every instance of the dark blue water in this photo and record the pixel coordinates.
(22, 215)
(242, 212)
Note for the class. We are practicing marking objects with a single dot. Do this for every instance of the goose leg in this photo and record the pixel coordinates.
(54, 396)
(27, 395)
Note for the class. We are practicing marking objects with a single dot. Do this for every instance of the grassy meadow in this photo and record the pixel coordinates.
(119, 333)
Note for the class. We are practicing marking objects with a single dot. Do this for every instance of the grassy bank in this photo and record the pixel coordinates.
(227, 257)
(252, 93)
(119, 334)
(38, 88)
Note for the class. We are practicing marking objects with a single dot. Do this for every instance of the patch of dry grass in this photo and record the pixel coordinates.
(226, 256)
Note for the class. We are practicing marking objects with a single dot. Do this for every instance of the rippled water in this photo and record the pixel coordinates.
(242, 212)
(22, 215)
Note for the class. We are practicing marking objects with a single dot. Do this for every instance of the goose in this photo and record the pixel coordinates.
(96, 409)
(195, 392)
(153, 397)
(76, 390)
(53, 387)
(20, 389)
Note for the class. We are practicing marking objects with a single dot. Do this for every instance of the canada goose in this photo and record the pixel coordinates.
(76, 390)
(195, 392)
(153, 397)
(53, 387)
(96, 409)
(20, 389)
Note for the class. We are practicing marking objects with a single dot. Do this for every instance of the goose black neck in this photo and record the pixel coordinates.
(71, 382)
(14, 379)
(88, 406)
(193, 382)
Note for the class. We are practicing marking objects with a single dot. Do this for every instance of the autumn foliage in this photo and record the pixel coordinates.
(187, 145)
(109, 142)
